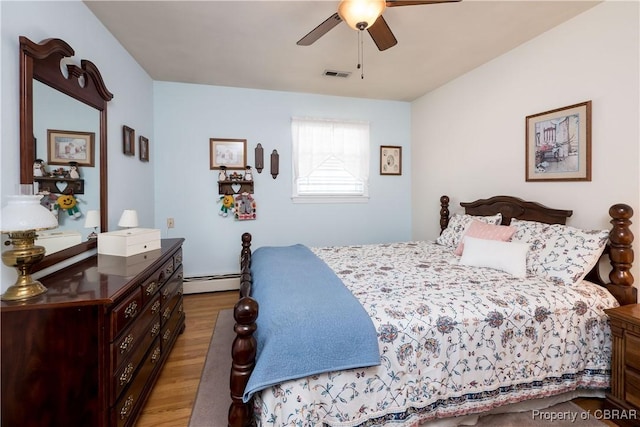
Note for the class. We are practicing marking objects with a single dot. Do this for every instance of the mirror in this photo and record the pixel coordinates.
(57, 94)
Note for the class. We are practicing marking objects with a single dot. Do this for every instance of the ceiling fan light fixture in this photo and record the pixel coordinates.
(361, 14)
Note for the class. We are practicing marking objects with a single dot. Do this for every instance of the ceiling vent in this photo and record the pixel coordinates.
(333, 73)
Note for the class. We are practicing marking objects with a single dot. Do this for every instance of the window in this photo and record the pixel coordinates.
(330, 160)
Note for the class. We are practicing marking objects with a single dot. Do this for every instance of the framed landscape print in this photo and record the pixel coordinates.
(69, 146)
(390, 160)
(231, 153)
(558, 144)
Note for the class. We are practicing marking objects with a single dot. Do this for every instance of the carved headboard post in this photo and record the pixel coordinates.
(444, 213)
(621, 255)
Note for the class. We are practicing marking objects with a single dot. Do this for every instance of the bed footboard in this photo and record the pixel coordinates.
(243, 349)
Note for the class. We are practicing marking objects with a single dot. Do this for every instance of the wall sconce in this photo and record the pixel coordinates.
(128, 219)
(275, 167)
(259, 158)
(92, 220)
(21, 218)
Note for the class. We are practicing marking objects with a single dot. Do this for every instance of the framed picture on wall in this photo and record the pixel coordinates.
(390, 160)
(231, 153)
(70, 146)
(128, 141)
(144, 149)
(558, 144)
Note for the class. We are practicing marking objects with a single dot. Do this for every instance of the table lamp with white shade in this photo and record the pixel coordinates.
(128, 219)
(20, 219)
(92, 220)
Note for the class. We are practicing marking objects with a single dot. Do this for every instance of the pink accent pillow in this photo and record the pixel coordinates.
(485, 231)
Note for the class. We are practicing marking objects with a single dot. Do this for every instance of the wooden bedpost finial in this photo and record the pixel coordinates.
(444, 212)
(621, 254)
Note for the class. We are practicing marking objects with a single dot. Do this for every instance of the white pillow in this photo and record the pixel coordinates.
(506, 256)
(560, 253)
(458, 224)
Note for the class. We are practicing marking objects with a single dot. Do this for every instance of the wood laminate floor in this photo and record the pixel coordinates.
(172, 398)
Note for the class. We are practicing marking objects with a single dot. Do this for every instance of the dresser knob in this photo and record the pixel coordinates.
(125, 411)
(155, 307)
(155, 329)
(131, 310)
(125, 345)
(156, 355)
(151, 288)
(127, 374)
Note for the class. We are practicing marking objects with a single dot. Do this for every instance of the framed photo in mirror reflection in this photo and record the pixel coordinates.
(128, 140)
(65, 146)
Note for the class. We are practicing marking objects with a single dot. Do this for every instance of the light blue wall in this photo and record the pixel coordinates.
(186, 116)
(130, 180)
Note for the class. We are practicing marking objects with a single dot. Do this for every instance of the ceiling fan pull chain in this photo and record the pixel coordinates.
(361, 54)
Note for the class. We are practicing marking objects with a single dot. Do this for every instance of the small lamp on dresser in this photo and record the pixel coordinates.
(20, 219)
(128, 219)
(92, 220)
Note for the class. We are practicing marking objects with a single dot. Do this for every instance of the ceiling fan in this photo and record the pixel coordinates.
(365, 15)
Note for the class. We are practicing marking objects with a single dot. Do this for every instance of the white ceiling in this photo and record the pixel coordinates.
(252, 44)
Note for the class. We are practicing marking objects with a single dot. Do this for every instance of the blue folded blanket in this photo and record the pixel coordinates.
(308, 322)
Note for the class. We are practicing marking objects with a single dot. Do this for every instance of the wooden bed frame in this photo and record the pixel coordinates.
(620, 283)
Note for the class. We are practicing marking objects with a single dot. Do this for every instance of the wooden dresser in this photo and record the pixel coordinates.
(624, 399)
(88, 352)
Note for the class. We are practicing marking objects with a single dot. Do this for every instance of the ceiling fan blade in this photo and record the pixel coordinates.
(393, 3)
(320, 30)
(381, 34)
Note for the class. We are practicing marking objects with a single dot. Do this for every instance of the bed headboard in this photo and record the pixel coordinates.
(512, 207)
(619, 250)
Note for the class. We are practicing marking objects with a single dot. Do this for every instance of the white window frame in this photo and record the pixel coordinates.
(325, 147)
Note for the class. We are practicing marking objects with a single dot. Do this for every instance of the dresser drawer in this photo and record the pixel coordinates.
(130, 401)
(136, 335)
(171, 287)
(151, 285)
(170, 307)
(125, 313)
(177, 258)
(126, 370)
(167, 270)
(173, 325)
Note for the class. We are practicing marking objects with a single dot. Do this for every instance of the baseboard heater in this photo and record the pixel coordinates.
(214, 283)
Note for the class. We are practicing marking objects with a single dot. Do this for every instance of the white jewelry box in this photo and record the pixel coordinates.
(127, 266)
(128, 242)
(55, 240)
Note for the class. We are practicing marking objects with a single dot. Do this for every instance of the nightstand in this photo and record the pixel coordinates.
(625, 365)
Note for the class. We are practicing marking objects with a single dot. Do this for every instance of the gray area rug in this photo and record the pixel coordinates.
(212, 400)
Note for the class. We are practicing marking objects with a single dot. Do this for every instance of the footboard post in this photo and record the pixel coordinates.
(621, 255)
(243, 349)
(243, 355)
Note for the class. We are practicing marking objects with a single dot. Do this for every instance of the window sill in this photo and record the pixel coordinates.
(330, 199)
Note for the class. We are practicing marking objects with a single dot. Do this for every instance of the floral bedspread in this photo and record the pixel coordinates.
(453, 340)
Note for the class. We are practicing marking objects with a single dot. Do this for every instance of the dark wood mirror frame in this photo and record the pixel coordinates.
(84, 83)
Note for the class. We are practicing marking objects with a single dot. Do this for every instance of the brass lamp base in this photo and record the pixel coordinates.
(23, 256)
(22, 291)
